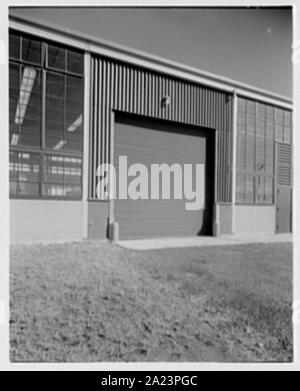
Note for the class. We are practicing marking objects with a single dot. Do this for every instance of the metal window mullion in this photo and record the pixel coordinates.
(65, 116)
(255, 158)
(274, 196)
(43, 138)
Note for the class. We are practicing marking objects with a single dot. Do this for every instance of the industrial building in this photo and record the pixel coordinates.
(77, 101)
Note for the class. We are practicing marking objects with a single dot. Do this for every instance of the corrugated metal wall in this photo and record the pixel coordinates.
(118, 86)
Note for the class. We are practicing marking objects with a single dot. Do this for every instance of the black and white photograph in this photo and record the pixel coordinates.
(151, 178)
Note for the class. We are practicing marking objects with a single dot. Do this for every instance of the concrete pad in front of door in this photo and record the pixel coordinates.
(246, 238)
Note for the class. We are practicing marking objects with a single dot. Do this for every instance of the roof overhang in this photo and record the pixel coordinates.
(115, 51)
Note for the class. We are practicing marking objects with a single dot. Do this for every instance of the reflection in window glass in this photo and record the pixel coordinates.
(55, 103)
(62, 176)
(74, 107)
(56, 57)
(25, 105)
(14, 45)
(31, 50)
(28, 111)
(75, 62)
(14, 93)
(24, 173)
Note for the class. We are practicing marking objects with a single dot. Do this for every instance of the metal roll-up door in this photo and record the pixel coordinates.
(148, 142)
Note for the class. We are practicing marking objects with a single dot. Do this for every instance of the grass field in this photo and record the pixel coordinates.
(100, 302)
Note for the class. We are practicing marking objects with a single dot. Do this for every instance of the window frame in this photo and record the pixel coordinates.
(42, 149)
(261, 114)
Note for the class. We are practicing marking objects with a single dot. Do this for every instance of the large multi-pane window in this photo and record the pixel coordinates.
(259, 127)
(45, 118)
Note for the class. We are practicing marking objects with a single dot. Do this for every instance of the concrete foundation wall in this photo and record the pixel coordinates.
(225, 219)
(45, 221)
(254, 218)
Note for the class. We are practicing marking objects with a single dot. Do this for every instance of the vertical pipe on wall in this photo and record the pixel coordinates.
(233, 157)
(86, 131)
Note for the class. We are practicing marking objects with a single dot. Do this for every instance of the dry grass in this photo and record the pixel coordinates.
(99, 302)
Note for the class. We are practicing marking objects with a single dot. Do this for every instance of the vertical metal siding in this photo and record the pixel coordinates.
(122, 87)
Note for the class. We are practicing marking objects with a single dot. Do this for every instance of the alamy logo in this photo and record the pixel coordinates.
(160, 181)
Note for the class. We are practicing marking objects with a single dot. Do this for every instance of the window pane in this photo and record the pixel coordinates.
(14, 45)
(260, 155)
(250, 153)
(14, 92)
(250, 125)
(240, 188)
(55, 93)
(269, 191)
(270, 130)
(56, 57)
(287, 118)
(75, 62)
(13, 166)
(31, 50)
(27, 189)
(28, 111)
(287, 135)
(279, 133)
(241, 144)
(241, 126)
(74, 118)
(62, 169)
(56, 190)
(242, 106)
(269, 156)
(261, 111)
(24, 170)
(270, 113)
(260, 130)
(250, 108)
(72, 171)
(260, 189)
(278, 116)
(249, 189)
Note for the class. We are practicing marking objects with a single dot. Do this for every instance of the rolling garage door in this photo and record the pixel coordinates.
(155, 142)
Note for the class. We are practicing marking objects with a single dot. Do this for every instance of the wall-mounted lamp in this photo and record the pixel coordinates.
(166, 101)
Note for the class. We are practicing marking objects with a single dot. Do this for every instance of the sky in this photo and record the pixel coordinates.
(252, 46)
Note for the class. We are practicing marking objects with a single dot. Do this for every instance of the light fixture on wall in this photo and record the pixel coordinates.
(166, 101)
